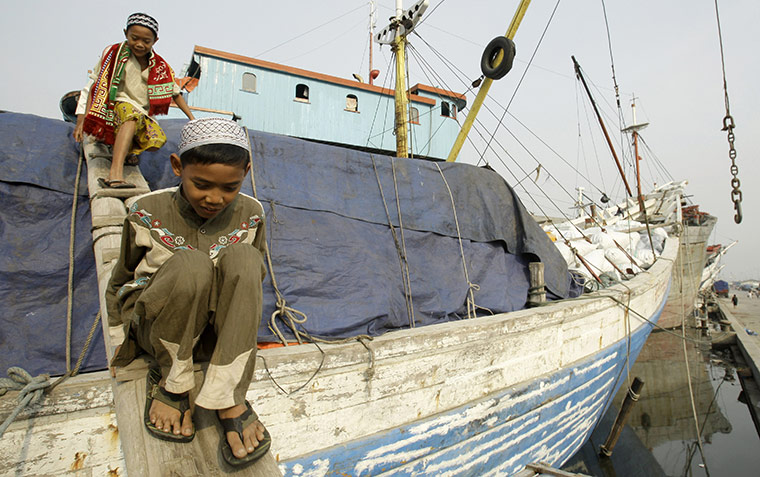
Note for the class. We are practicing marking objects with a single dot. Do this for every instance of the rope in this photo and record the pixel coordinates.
(400, 251)
(32, 388)
(72, 232)
(686, 288)
(471, 287)
(290, 316)
(407, 278)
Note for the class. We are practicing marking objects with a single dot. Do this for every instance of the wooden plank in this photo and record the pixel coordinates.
(79, 443)
(545, 469)
(749, 345)
(107, 211)
(146, 455)
(98, 165)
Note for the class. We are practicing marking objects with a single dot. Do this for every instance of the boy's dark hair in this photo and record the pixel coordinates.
(205, 154)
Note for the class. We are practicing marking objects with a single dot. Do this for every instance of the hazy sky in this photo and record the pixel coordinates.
(666, 53)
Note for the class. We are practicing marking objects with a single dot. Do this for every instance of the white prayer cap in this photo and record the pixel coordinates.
(199, 132)
(143, 19)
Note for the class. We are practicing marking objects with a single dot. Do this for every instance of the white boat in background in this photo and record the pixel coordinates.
(713, 266)
(687, 271)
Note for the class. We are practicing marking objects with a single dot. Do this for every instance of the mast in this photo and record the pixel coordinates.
(634, 130)
(485, 85)
(601, 123)
(395, 35)
(372, 14)
(399, 48)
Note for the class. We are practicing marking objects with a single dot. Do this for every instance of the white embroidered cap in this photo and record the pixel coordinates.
(143, 19)
(199, 132)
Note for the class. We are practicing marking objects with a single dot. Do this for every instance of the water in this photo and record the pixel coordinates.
(660, 438)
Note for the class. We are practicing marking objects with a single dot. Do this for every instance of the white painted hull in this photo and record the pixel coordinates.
(464, 398)
(687, 275)
(471, 397)
(474, 397)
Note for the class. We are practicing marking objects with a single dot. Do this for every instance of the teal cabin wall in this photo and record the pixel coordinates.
(273, 106)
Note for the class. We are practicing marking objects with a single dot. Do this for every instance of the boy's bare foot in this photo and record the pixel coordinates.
(167, 418)
(252, 435)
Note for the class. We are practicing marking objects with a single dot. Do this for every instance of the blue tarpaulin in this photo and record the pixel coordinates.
(333, 253)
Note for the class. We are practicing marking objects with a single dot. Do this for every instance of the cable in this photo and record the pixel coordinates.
(309, 31)
(525, 72)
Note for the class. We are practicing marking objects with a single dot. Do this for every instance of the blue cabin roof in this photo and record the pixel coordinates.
(285, 100)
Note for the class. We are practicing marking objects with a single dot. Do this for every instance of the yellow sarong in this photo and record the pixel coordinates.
(148, 134)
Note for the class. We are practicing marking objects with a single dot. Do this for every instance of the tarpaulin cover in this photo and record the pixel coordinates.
(327, 211)
(38, 164)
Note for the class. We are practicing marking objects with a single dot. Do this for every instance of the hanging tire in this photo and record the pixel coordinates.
(500, 43)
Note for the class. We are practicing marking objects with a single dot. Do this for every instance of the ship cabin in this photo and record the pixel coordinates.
(281, 99)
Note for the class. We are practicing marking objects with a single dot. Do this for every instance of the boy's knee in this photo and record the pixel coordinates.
(191, 267)
(241, 260)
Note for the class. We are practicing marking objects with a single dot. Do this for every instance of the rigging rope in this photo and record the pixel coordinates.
(407, 278)
(309, 31)
(471, 287)
(525, 72)
(400, 250)
(292, 317)
(686, 288)
(525, 174)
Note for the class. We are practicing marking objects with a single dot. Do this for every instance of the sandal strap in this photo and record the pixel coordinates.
(237, 424)
(179, 402)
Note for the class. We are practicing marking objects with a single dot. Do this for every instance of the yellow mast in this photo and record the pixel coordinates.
(402, 144)
(395, 35)
(485, 86)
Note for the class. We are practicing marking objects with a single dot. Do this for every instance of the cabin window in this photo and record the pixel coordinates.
(414, 115)
(302, 93)
(448, 109)
(249, 82)
(352, 103)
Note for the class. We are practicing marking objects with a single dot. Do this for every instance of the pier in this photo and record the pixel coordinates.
(745, 320)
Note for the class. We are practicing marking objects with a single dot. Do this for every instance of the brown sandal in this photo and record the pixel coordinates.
(115, 184)
(180, 402)
(237, 424)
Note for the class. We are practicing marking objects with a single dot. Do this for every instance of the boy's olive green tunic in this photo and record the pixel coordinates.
(178, 273)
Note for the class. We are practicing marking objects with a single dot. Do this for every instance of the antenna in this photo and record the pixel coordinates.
(372, 24)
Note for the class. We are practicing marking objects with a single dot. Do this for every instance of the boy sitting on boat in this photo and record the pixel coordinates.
(188, 283)
(129, 84)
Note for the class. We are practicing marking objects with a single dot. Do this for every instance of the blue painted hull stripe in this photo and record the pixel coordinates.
(545, 420)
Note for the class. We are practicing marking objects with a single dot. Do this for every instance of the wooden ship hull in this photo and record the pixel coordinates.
(481, 397)
(485, 396)
(687, 271)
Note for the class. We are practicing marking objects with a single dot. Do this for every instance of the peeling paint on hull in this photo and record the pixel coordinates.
(546, 420)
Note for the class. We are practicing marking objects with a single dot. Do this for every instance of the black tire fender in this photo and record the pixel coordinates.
(500, 43)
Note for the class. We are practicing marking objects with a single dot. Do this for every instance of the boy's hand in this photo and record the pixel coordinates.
(112, 368)
(79, 128)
